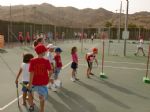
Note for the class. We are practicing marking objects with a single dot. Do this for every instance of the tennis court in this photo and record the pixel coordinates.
(122, 91)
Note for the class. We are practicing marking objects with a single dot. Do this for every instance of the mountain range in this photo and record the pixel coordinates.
(70, 16)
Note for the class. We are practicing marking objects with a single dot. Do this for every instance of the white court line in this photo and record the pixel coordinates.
(126, 68)
(13, 101)
(4, 107)
(125, 62)
(66, 65)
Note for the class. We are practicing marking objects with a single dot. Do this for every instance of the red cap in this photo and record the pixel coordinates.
(40, 48)
(95, 50)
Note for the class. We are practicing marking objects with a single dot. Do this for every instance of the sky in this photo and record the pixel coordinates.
(111, 5)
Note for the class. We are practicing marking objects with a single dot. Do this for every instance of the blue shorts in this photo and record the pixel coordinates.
(24, 89)
(56, 73)
(41, 90)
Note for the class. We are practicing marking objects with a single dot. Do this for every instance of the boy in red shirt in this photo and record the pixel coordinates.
(58, 62)
(39, 69)
(58, 66)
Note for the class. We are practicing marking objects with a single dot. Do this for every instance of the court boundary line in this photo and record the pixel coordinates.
(115, 67)
(126, 62)
(13, 101)
(123, 62)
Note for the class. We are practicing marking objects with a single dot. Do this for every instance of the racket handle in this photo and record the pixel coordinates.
(16, 85)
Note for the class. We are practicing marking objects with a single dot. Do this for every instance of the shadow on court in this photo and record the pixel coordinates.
(75, 103)
(104, 95)
(120, 88)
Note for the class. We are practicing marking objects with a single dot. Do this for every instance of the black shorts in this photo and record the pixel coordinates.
(28, 41)
(24, 89)
(90, 64)
(21, 41)
(74, 65)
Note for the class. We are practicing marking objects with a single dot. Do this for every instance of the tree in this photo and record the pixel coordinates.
(108, 24)
(131, 25)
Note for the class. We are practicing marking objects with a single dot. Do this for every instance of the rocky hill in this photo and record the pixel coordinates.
(69, 16)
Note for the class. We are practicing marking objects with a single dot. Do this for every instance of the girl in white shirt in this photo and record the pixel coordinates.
(24, 70)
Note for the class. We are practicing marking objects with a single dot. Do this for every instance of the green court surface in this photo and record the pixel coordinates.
(123, 91)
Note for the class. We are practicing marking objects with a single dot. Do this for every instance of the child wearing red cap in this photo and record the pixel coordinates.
(90, 57)
(39, 69)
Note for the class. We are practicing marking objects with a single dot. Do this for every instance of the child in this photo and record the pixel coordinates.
(38, 41)
(92, 38)
(74, 64)
(58, 64)
(140, 46)
(20, 37)
(90, 57)
(50, 57)
(39, 69)
(25, 74)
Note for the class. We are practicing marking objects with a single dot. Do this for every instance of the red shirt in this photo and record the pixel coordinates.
(58, 61)
(75, 57)
(90, 57)
(20, 38)
(40, 68)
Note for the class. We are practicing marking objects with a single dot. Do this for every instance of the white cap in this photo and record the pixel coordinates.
(50, 46)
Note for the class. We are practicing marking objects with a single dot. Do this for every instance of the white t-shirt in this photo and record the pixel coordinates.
(140, 44)
(25, 72)
(50, 57)
(90, 57)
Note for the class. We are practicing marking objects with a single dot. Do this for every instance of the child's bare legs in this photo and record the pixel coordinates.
(139, 50)
(143, 51)
(88, 72)
(52, 86)
(24, 98)
(73, 73)
(51, 81)
(30, 100)
(42, 103)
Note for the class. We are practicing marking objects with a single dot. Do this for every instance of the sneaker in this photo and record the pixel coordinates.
(72, 79)
(31, 108)
(76, 79)
(27, 97)
(88, 77)
(49, 86)
(58, 83)
(24, 104)
(91, 74)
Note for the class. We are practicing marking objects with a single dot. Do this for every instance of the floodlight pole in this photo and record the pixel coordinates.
(23, 21)
(34, 17)
(119, 22)
(126, 26)
(82, 34)
(10, 26)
